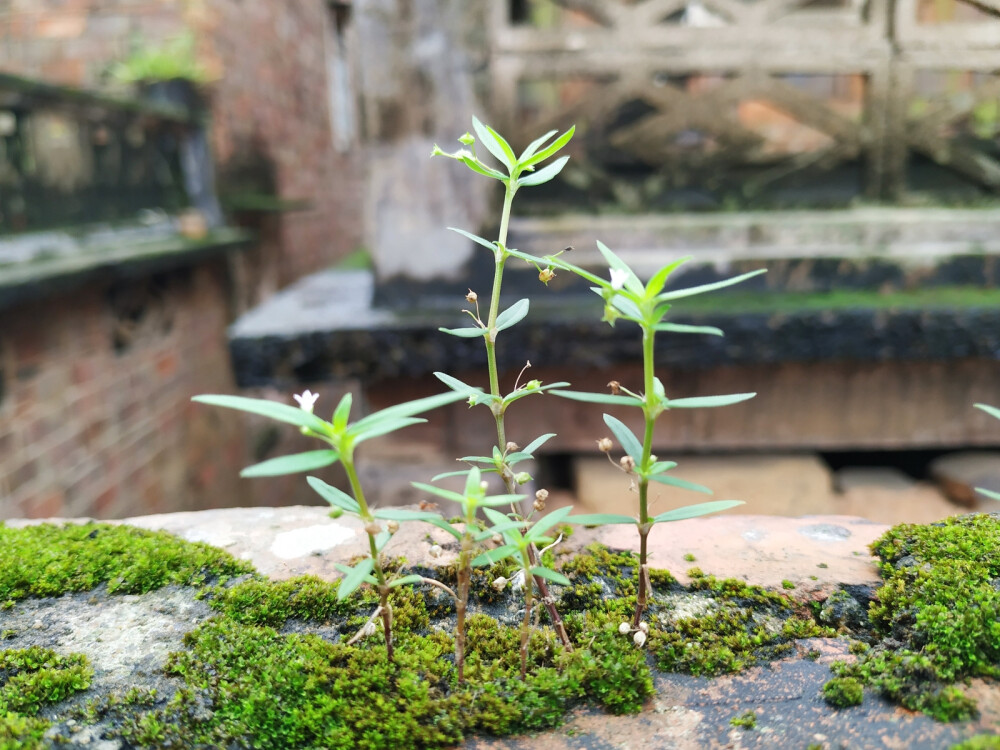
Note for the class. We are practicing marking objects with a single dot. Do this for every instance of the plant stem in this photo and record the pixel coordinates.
(461, 602)
(649, 411)
(347, 459)
(526, 623)
(498, 409)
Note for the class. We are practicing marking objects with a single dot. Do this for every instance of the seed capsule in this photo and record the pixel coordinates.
(605, 445)
(639, 639)
(472, 296)
(627, 463)
(435, 550)
(624, 628)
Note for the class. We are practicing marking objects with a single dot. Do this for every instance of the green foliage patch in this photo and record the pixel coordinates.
(49, 560)
(938, 613)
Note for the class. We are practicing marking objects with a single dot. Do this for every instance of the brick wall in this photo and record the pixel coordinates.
(95, 385)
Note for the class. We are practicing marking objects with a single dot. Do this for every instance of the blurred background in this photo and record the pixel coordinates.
(235, 196)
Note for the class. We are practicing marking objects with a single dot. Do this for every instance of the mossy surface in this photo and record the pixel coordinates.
(272, 668)
(937, 614)
(48, 560)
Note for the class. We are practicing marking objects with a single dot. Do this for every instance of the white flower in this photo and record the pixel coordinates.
(307, 400)
(618, 278)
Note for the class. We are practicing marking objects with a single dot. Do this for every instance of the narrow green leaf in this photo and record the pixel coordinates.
(407, 409)
(991, 410)
(332, 495)
(626, 307)
(272, 409)
(512, 315)
(545, 523)
(457, 385)
(632, 282)
(988, 493)
(293, 464)
(444, 526)
(532, 159)
(538, 442)
(449, 474)
(680, 483)
(482, 169)
(518, 457)
(403, 514)
(599, 398)
(355, 578)
(693, 511)
(405, 581)
(544, 174)
(495, 143)
(464, 333)
(691, 291)
(495, 555)
(342, 413)
(473, 482)
(477, 459)
(383, 428)
(499, 528)
(498, 500)
(382, 539)
(549, 575)
(600, 519)
(440, 492)
(679, 328)
(625, 436)
(658, 390)
(655, 285)
(702, 402)
(476, 238)
(661, 466)
(534, 146)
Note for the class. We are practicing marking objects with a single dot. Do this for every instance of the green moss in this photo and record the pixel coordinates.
(979, 742)
(31, 679)
(48, 560)
(689, 557)
(743, 625)
(786, 584)
(747, 720)
(842, 692)
(616, 567)
(938, 612)
(261, 602)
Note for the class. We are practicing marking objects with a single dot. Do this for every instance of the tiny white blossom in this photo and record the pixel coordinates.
(618, 278)
(307, 400)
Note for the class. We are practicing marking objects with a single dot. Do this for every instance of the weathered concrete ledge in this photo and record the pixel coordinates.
(815, 554)
(762, 550)
(326, 327)
(39, 264)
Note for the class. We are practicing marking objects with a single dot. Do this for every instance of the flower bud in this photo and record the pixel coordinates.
(605, 445)
(653, 459)
(627, 463)
(373, 528)
(393, 526)
(499, 583)
(512, 447)
(467, 139)
(624, 628)
(546, 275)
(435, 550)
(336, 513)
(542, 495)
(472, 296)
(522, 477)
(615, 387)
(639, 639)
(497, 539)
(484, 486)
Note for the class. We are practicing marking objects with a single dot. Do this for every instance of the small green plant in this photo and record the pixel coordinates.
(747, 720)
(626, 297)
(174, 59)
(842, 692)
(343, 437)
